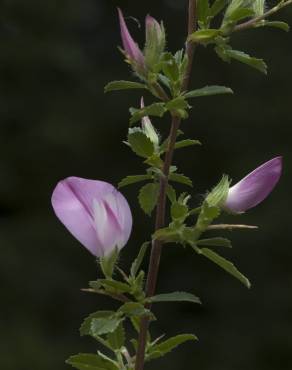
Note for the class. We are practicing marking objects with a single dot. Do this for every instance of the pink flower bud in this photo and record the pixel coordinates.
(255, 187)
(131, 48)
(94, 212)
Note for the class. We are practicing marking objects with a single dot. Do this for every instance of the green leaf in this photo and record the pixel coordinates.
(104, 326)
(176, 177)
(135, 309)
(117, 338)
(168, 345)
(209, 90)
(203, 10)
(123, 85)
(177, 103)
(171, 193)
(88, 361)
(174, 297)
(242, 57)
(204, 35)
(224, 264)
(140, 143)
(86, 325)
(215, 242)
(115, 285)
(167, 234)
(134, 179)
(277, 24)
(148, 197)
(185, 143)
(239, 14)
(217, 6)
(179, 211)
(155, 109)
(137, 262)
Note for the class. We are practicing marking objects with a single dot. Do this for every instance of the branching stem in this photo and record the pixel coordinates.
(161, 205)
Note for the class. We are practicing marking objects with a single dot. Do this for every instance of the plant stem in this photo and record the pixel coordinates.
(160, 211)
(253, 22)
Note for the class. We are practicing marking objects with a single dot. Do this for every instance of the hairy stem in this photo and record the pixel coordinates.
(254, 21)
(161, 205)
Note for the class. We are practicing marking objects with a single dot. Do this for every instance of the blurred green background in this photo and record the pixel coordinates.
(55, 121)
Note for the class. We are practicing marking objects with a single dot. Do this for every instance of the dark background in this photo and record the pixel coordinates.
(55, 58)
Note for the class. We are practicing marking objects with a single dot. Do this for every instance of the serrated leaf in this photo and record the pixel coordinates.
(171, 193)
(209, 90)
(204, 35)
(203, 10)
(123, 85)
(117, 338)
(155, 109)
(239, 14)
(225, 265)
(85, 327)
(168, 345)
(176, 177)
(174, 297)
(278, 24)
(115, 285)
(177, 103)
(88, 361)
(148, 197)
(137, 262)
(242, 57)
(129, 180)
(140, 144)
(215, 242)
(132, 309)
(179, 211)
(186, 143)
(104, 325)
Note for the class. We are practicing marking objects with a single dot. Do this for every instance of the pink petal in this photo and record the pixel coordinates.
(255, 187)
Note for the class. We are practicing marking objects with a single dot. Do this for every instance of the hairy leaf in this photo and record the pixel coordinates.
(129, 180)
(88, 361)
(148, 197)
(174, 297)
(209, 90)
(123, 85)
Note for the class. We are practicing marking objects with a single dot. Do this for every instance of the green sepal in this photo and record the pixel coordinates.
(129, 180)
(207, 91)
(155, 109)
(140, 143)
(176, 177)
(219, 193)
(138, 261)
(123, 85)
(203, 10)
(148, 197)
(224, 264)
(88, 361)
(215, 242)
(169, 235)
(108, 263)
(161, 349)
(174, 297)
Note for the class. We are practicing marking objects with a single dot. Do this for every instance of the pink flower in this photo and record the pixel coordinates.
(94, 212)
(255, 187)
(131, 48)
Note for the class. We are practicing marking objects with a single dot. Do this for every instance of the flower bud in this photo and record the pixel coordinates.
(131, 49)
(149, 129)
(255, 187)
(155, 41)
(94, 212)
